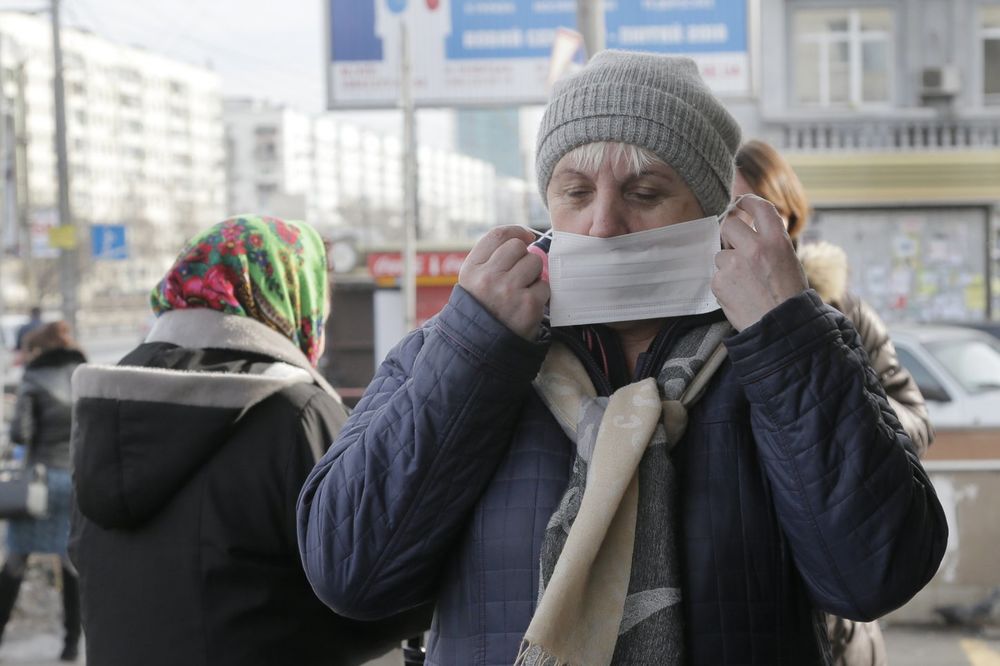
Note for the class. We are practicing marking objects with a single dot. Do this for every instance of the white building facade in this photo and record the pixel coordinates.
(146, 150)
(347, 181)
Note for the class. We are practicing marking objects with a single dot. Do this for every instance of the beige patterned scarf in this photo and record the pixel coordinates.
(610, 588)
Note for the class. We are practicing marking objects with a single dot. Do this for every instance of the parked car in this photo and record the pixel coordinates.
(991, 327)
(957, 370)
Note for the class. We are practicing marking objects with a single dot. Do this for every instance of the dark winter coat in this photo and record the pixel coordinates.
(826, 268)
(798, 492)
(43, 411)
(189, 458)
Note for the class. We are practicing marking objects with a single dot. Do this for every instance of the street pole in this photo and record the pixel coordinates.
(590, 23)
(69, 268)
(4, 208)
(410, 194)
(22, 189)
(526, 192)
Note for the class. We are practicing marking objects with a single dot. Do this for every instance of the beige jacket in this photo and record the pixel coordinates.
(825, 265)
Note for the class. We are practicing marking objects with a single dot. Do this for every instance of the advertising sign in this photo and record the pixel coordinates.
(44, 225)
(433, 268)
(108, 242)
(475, 52)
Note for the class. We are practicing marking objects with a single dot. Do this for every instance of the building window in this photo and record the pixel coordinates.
(265, 144)
(991, 55)
(843, 57)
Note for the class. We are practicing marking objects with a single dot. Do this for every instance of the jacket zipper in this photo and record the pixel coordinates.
(654, 358)
(597, 376)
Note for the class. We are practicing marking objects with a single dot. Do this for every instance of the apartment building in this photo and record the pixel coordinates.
(145, 145)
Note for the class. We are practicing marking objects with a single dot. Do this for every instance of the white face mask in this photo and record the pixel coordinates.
(664, 272)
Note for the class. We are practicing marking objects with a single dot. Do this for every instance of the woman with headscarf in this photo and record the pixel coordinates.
(41, 423)
(190, 455)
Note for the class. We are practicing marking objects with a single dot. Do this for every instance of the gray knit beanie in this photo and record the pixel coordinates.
(656, 102)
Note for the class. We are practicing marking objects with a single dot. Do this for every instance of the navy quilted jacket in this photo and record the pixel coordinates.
(798, 492)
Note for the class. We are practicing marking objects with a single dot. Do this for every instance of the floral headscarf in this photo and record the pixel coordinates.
(258, 267)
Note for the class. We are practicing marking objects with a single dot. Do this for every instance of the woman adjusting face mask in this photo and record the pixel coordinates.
(671, 468)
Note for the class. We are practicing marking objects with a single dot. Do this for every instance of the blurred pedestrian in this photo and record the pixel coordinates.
(34, 321)
(761, 170)
(641, 477)
(41, 424)
(190, 455)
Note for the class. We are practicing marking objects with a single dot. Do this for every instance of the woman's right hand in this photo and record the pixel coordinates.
(506, 279)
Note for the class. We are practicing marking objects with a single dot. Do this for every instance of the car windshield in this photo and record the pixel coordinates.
(974, 362)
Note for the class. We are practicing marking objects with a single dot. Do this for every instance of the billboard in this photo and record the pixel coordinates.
(481, 52)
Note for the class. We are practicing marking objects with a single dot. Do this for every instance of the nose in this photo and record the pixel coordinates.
(609, 215)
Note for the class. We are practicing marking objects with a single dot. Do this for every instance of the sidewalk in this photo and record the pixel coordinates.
(41, 650)
(33, 636)
(908, 646)
(931, 646)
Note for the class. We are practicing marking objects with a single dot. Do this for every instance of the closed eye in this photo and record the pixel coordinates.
(577, 192)
(645, 196)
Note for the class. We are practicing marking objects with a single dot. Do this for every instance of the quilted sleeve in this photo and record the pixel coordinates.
(378, 515)
(861, 517)
(900, 388)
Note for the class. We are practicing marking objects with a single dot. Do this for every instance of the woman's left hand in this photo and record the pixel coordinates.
(758, 267)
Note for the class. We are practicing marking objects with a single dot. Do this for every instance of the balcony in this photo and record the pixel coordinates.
(885, 134)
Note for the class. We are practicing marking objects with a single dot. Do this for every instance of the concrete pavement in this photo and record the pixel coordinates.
(924, 646)
(41, 650)
(908, 646)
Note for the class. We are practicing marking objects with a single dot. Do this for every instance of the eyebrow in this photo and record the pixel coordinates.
(571, 172)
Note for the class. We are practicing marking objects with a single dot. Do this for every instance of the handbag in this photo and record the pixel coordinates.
(856, 643)
(24, 491)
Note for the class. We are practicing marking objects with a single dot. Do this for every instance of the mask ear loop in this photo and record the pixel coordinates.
(540, 248)
(731, 207)
(544, 240)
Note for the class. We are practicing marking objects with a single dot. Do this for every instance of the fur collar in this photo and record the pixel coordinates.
(201, 328)
(56, 357)
(825, 266)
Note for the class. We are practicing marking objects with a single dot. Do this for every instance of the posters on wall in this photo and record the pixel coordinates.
(919, 265)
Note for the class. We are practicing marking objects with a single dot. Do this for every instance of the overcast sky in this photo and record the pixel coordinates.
(265, 48)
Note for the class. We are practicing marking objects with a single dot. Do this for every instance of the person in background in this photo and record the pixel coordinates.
(189, 456)
(761, 170)
(41, 424)
(643, 476)
(34, 321)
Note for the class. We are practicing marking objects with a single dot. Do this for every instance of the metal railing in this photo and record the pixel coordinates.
(891, 134)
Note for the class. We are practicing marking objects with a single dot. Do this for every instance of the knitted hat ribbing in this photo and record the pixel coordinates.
(656, 102)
